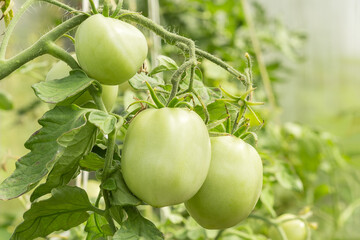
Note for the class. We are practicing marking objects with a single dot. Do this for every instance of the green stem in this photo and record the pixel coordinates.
(170, 38)
(99, 211)
(93, 7)
(11, 27)
(58, 52)
(107, 211)
(207, 115)
(61, 5)
(106, 8)
(176, 77)
(109, 154)
(107, 165)
(39, 48)
(118, 8)
(217, 61)
(96, 95)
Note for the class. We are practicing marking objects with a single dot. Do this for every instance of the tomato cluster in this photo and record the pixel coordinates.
(168, 156)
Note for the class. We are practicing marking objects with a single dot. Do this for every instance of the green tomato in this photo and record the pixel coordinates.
(109, 50)
(294, 229)
(232, 186)
(109, 93)
(166, 155)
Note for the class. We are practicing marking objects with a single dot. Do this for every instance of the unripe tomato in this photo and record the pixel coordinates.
(232, 186)
(109, 93)
(294, 229)
(109, 50)
(166, 155)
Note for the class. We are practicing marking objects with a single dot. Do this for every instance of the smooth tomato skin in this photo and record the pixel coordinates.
(109, 94)
(232, 186)
(166, 155)
(294, 229)
(109, 50)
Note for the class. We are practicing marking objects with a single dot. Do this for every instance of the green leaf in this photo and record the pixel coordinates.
(5, 101)
(58, 90)
(94, 227)
(45, 150)
(137, 227)
(165, 64)
(138, 81)
(117, 213)
(267, 198)
(66, 208)
(287, 178)
(122, 196)
(104, 121)
(77, 142)
(92, 162)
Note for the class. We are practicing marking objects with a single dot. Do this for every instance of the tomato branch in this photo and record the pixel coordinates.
(107, 165)
(41, 47)
(170, 38)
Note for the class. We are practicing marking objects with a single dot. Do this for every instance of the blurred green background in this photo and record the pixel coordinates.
(310, 141)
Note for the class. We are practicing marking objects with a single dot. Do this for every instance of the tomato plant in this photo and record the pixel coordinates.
(294, 229)
(232, 186)
(123, 49)
(166, 155)
(109, 93)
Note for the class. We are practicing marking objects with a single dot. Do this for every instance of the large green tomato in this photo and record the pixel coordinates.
(294, 229)
(166, 155)
(109, 93)
(109, 50)
(232, 186)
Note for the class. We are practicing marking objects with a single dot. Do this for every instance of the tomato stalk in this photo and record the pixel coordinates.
(96, 95)
(93, 7)
(117, 9)
(41, 47)
(106, 171)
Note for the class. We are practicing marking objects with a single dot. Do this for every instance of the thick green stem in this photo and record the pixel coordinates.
(96, 95)
(58, 52)
(93, 7)
(107, 165)
(106, 8)
(109, 154)
(107, 211)
(39, 48)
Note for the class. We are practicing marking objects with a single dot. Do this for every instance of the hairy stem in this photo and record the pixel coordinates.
(11, 27)
(170, 38)
(61, 5)
(217, 61)
(96, 95)
(58, 52)
(39, 48)
(176, 77)
(93, 7)
(107, 165)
